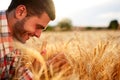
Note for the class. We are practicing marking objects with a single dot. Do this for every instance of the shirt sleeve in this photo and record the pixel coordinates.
(25, 74)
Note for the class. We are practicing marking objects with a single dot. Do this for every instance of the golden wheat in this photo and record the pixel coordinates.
(88, 55)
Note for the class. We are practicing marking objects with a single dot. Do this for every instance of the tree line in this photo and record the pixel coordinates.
(66, 25)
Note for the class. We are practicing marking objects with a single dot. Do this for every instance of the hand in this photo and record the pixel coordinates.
(36, 65)
(43, 52)
(58, 63)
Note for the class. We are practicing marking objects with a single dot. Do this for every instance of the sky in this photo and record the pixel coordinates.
(83, 12)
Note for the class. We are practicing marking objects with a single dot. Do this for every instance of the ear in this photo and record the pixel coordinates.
(20, 12)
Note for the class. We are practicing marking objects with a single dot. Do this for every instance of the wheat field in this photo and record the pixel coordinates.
(86, 55)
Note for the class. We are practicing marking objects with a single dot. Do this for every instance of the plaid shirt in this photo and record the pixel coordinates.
(8, 55)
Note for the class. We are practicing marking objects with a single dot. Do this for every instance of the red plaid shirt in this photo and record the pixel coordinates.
(8, 55)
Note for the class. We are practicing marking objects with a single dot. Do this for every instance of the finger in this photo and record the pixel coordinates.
(59, 64)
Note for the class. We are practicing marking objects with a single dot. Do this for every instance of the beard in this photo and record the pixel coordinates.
(19, 31)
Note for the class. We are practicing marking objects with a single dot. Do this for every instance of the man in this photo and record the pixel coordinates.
(22, 20)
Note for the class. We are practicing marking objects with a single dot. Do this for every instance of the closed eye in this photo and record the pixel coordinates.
(38, 26)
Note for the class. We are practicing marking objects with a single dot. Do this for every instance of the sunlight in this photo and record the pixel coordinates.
(4, 4)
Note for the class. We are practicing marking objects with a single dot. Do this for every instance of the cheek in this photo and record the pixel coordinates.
(29, 27)
(18, 28)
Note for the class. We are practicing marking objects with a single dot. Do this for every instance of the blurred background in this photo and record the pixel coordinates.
(82, 14)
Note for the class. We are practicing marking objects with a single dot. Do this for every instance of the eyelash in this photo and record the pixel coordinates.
(39, 27)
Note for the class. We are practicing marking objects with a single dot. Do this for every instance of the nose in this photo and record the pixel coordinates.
(38, 33)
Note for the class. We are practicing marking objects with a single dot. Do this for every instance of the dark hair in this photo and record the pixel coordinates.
(35, 7)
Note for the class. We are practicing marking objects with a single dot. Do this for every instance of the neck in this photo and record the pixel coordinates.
(10, 20)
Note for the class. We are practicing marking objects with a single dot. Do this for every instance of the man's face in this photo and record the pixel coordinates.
(30, 26)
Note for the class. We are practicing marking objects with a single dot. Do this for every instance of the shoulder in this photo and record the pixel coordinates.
(2, 18)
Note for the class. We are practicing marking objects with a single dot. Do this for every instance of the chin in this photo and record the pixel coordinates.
(22, 41)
